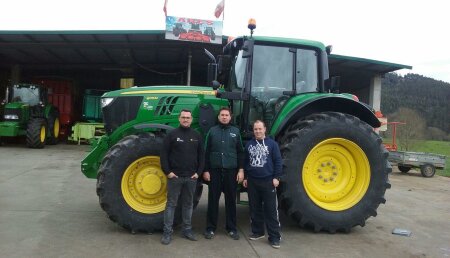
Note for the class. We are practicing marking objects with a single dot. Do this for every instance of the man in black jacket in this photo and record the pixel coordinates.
(182, 160)
(224, 157)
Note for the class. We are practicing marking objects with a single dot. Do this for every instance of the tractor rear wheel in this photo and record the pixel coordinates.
(336, 172)
(36, 133)
(131, 184)
(53, 128)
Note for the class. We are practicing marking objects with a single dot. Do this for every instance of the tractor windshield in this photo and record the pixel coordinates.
(28, 95)
(273, 76)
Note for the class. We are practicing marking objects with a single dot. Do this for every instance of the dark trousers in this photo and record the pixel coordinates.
(262, 197)
(184, 186)
(222, 180)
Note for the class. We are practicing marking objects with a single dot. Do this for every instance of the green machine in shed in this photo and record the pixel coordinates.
(92, 125)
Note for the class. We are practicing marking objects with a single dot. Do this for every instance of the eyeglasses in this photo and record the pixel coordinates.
(185, 117)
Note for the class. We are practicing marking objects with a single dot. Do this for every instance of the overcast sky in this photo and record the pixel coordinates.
(412, 33)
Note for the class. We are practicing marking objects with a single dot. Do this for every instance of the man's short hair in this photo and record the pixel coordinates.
(185, 110)
(259, 121)
(227, 109)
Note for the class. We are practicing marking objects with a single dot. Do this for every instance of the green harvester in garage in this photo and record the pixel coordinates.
(26, 112)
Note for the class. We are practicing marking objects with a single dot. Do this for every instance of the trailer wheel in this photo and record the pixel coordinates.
(403, 169)
(427, 170)
(336, 172)
(36, 133)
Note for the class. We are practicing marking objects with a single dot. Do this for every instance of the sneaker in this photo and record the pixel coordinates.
(234, 235)
(189, 235)
(209, 234)
(166, 238)
(254, 236)
(275, 244)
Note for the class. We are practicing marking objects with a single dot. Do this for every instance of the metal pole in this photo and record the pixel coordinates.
(189, 69)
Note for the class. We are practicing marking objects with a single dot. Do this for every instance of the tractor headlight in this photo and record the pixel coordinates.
(11, 117)
(106, 101)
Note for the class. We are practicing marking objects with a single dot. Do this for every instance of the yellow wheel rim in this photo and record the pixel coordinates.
(42, 134)
(336, 174)
(56, 128)
(144, 185)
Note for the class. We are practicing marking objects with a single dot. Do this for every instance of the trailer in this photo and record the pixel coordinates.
(427, 162)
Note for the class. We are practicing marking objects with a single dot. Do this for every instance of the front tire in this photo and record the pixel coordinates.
(336, 172)
(131, 185)
(36, 133)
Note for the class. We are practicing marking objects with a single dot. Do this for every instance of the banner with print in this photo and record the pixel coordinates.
(196, 30)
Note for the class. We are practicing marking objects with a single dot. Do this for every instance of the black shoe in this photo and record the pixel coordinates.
(189, 235)
(209, 234)
(254, 236)
(234, 235)
(166, 238)
(275, 244)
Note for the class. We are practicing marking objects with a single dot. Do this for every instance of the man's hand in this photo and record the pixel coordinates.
(240, 176)
(275, 182)
(206, 176)
(172, 175)
(194, 176)
(244, 183)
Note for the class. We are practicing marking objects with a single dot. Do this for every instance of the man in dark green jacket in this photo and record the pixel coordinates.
(224, 163)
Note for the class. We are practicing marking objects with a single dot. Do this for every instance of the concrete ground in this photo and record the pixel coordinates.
(49, 209)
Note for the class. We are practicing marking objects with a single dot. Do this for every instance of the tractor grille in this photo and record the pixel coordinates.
(12, 111)
(120, 111)
(165, 105)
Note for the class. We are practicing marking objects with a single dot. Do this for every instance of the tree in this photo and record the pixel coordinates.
(414, 129)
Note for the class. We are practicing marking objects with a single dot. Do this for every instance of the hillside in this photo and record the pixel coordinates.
(429, 98)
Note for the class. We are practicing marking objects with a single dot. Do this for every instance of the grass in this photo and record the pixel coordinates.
(437, 147)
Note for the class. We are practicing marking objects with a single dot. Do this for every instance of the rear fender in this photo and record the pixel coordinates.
(334, 103)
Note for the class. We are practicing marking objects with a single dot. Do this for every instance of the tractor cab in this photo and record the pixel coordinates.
(29, 94)
(261, 74)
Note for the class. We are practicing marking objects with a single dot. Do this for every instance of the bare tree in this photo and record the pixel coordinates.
(414, 129)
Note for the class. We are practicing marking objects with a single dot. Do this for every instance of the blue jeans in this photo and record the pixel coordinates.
(184, 187)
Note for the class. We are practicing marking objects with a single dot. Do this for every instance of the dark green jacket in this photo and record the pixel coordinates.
(224, 148)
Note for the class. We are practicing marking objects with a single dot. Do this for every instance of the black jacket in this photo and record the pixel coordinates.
(224, 148)
(182, 152)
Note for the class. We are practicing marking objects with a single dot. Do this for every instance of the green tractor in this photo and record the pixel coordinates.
(26, 112)
(335, 166)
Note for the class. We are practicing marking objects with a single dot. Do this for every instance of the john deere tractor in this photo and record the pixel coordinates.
(26, 112)
(335, 166)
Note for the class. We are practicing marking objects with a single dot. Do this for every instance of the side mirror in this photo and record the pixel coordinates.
(212, 73)
(248, 48)
(224, 63)
(335, 84)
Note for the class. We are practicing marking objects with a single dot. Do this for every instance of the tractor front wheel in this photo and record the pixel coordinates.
(131, 186)
(36, 133)
(336, 172)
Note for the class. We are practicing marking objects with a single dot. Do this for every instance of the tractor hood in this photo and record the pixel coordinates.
(164, 90)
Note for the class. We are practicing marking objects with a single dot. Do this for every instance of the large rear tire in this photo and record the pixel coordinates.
(53, 128)
(336, 172)
(36, 133)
